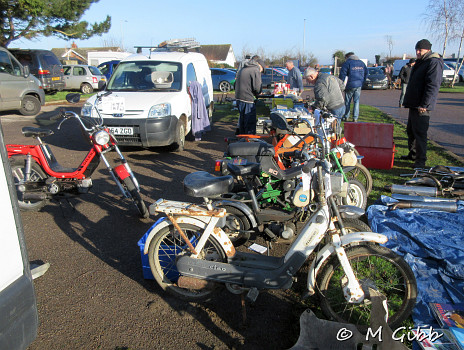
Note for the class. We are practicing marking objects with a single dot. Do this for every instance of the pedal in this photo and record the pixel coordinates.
(252, 295)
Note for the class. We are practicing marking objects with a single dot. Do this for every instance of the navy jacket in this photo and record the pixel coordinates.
(295, 79)
(355, 70)
(424, 82)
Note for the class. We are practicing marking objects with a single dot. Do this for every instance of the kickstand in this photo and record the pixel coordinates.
(269, 247)
(243, 304)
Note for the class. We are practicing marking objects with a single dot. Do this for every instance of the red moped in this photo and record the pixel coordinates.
(39, 177)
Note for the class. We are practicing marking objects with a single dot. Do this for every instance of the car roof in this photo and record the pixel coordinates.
(182, 57)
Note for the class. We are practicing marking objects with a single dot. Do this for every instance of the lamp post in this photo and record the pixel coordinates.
(304, 36)
(122, 35)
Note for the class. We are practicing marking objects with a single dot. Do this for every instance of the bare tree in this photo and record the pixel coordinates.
(441, 18)
(389, 40)
(458, 35)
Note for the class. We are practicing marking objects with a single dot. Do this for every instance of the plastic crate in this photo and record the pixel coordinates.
(141, 243)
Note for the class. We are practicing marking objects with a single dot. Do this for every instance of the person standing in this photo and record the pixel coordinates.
(294, 78)
(328, 91)
(405, 72)
(421, 97)
(247, 88)
(353, 73)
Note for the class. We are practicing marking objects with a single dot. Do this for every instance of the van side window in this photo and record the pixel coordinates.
(191, 75)
(5, 63)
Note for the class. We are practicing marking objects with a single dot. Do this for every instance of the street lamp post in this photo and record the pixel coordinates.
(122, 35)
(304, 36)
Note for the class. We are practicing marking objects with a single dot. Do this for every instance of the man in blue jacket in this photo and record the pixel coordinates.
(421, 97)
(294, 77)
(353, 73)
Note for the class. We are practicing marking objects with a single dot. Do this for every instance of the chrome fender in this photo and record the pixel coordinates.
(201, 222)
(328, 250)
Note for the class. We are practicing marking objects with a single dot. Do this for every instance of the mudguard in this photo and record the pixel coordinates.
(200, 221)
(245, 209)
(326, 252)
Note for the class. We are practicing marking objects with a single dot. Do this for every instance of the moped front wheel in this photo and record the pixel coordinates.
(166, 246)
(356, 195)
(136, 197)
(375, 266)
(18, 169)
(363, 175)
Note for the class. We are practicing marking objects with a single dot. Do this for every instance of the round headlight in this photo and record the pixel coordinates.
(101, 137)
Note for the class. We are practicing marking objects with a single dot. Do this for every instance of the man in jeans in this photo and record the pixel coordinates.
(353, 73)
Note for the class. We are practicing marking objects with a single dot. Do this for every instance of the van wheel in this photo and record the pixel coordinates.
(86, 89)
(178, 145)
(30, 105)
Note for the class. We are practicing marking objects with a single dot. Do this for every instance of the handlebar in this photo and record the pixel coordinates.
(69, 114)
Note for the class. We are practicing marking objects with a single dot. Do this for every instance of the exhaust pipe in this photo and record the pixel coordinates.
(414, 190)
(442, 206)
(34, 196)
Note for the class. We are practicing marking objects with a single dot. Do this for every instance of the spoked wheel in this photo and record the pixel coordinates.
(372, 265)
(355, 225)
(236, 223)
(37, 174)
(357, 195)
(166, 246)
(363, 175)
(136, 197)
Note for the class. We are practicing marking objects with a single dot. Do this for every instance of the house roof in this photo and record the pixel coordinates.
(82, 52)
(215, 52)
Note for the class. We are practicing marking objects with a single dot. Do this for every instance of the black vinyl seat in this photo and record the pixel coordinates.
(203, 184)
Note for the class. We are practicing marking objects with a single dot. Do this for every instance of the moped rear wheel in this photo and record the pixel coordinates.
(18, 170)
(372, 265)
(163, 251)
(136, 197)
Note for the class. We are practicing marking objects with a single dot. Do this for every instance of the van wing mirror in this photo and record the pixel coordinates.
(26, 71)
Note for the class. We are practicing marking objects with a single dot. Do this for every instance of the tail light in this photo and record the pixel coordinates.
(218, 165)
(44, 71)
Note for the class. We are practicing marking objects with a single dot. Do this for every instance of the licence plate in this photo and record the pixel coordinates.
(55, 78)
(121, 130)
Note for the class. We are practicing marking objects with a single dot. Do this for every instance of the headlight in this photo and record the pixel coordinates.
(368, 80)
(384, 79)
(86, 110)
(101, 137)
(159, 111)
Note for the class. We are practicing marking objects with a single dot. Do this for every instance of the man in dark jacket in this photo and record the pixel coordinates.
(353, 73)
(294, 77)
(421, 97)
(247, 88)
(405, 72)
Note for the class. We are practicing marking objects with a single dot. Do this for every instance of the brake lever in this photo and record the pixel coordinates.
(64, 116)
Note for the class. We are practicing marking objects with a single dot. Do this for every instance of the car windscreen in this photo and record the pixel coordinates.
(137, 76)
(375, 71)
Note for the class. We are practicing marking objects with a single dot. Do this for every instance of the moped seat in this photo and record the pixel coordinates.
(203, 184)
(29, 131)
(252, 151)
(244, 170)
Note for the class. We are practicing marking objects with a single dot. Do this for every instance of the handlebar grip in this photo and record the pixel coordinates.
(310, 164)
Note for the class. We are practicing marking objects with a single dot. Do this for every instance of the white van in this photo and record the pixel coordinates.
(149, 104)
(448, 72)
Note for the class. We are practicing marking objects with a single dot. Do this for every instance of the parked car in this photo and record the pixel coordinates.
(82, 77)
(461, 71)
(376, 79)
(44, 65)
(448, 73)
(326, 70)
(19, 90)
(272, 76)
(223, 79)
(150, 104)
(107, 68)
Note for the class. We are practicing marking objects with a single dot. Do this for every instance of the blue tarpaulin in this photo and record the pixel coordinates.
(432, 242)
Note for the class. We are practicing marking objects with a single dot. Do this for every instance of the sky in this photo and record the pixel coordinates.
(264, 27)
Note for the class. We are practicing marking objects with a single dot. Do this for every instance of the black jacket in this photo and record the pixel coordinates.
(248, 82)
(424, 82)
(405, 73)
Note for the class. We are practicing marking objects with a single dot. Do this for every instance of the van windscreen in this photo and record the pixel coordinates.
(137, 76)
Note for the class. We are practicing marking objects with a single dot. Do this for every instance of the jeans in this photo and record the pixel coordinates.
(339, 112)
(403, 92)
(353, 93)
(247, 119)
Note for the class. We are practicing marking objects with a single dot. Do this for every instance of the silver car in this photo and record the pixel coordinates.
(82, 77)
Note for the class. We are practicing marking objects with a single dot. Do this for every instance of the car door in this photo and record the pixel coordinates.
(18, 307)
(12, 83)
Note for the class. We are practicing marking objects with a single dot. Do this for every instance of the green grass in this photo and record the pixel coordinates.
(458, 88)
(61, 96)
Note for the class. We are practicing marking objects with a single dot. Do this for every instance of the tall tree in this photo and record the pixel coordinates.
(30, 19)
(441, 17)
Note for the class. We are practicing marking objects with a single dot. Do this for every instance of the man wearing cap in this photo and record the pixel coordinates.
(421, 97)
(247, 88)
(404, 75)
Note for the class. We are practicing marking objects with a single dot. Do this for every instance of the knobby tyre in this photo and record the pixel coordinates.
(372, 264)
(136, 197)
(166, 246)
(18, 170)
